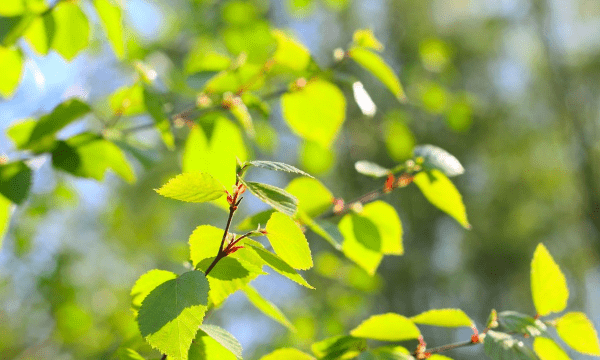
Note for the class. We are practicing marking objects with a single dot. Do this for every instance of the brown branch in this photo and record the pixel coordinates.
(448, 347)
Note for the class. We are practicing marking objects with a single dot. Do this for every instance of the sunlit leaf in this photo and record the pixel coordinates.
(287, 354)
(128, 100)
(501, 346)
(443, 317)
(315, 158)
(362, 241)
(371, 169)
(72, 30)
(288, 241)
(266, 307)
(129, 354)
(192, 187)
(382, 71)
(205, 347)
(12, 8)
(575, 329)
(154, 104)
(325, 229)
(548, 284)
(366, 39)
(112, 23)
(547, 349)
(224, 338)
(252, 222)
(388, 224)
(13, 27)
(146, 283)
(389, 353)
(278, 198)
(315, 112)
(40, 32)
(290, 53)
(19, 132)
(438, 158)
(399, 140)
(204, 243)
(339, 347)
(514, 322)
(387, 327)
(5, 206)
(278, 166)
(15, 181)
(313, 197)
(12, 64)
(171, 313)
(442, 193)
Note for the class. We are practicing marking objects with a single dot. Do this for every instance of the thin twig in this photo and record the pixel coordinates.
(448, 347)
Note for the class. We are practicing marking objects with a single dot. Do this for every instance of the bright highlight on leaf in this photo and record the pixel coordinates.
(387, 327)
(290, 53)
(371, 169)
(366, 39)
(287, 354)
(313, 197)
(443, 317)
(382, 71)
(5, 206)
(548, 284)
(288, 241)
(204, 243)
(278, 166)
(146, 283)
(110, 17)
(224, 338)
(578, 332)
(438, 158)
(11, 63)
(267, 307)
(72, 30)
(547, 349)
(192, 187)
(442, 193)
(278, 198)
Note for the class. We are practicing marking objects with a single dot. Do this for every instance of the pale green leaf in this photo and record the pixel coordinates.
(40, 32)
(388, 224)
(442, 193)
(129, 354)
(443, 317)
(575, 329)
(313, 197)
(192, 187)
(439, 357)
(290, 53)
(288, 241)
(514, 322)
(224, 338)
(324, 229)
(339, 347)
(399, 140)
(48, 125)
(365, 38)
(204, 243)
(362, 241)
(548, 284)
(128, 100)
(266, 307)
(146, 283)
(12, 64)
(205, 55)
(112, 23)
(171, 314)
(5, 210)
(206, 348)
(438, 158)
(387, 327)
(547, 349)
(72, 30)
(278, 198)
(278, 166)
(12, 7)
(315, 112)
(20, 131)
(154, 106)
(371, 169)
(382, 71)
(501, 346)
(287, 354)
(15, 181)
(252, 222)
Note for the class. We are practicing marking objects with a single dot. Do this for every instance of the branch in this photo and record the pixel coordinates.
(448, 347)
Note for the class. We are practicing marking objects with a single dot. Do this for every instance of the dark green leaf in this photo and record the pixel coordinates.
(146, 283)
(438, 158)
(325, 229)
(371, 169)
(501, 346)
(345, 347)
(515, 322)
(278, 198)
(278, 166)
(12, 28)
(224, 338)
(15, 181)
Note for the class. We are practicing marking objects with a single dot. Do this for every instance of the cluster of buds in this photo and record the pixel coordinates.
(338, 205)
(232, 199)
(420, 352)
(299, 84)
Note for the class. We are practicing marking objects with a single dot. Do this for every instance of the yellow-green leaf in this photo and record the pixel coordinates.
(266, 307)
(362, 241)
(192, 187)
(72, 30)
(289, 241)
(128, 100)
(366, 38)
(339, 347)
(290, 53)
(315, 112)
(5, 206)
(110, 17)
(548, 284)
(287, 354)
(443, 317)
(313, 197)
(40, 32)
(204, 243)
(146, 283)
(547, 349)
(382, 71)
(442, 193)
(578, 332)
(129, 354)
(388, 224)
(206, 348)
(387, 327)
(11, 63)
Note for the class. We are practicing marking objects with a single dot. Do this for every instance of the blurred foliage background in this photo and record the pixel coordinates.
(510, 87)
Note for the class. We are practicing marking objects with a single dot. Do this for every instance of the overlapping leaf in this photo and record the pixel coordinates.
(278, 166)
(339, 347)
(288, 241)
(278, 198)
(382, 71)
(15, 181)
(387, 327)
(110, 17)
(514, 322)
(578, 332)
(224, 338)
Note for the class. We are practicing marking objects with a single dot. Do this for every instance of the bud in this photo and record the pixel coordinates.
(3, 159)
(300, 83)
(338, 54)
(338, 205)
(203, 101)
(357, 207)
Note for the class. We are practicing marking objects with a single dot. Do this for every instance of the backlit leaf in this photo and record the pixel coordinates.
(5, 206)
(366, 39)
(547, 349)
(371, 169)
(313, 197)
(290, 53)
(575, 329)
(146, 283)
(112, 23)
(266, 307)
(288, 241)
(387, 327)
(15, 181)
(501, 346)
(224, 338)
(252, 222)
(548, 284)
(13, 27)
(206, 348)
(443, 317)
(154, 105)
(192, 187)
(278, 198)
(204, 243)
(324, 229)
(382, 71)
(128, 100)
(287, 354)
(362, 241)
(339, 347)
(278, 166)
(72, 30)
(40, 33)
(388, 224)
(438, 158)
(11, 63)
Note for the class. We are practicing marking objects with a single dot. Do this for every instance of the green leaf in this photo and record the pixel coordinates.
(5, 210)
(365, 38)
(501, 346)
(267, 307)
(129, 354)
(548, 284)
(278, 166)
(514, 322)
(15, 181)
(290, 53)
(389, 353)
(204, 243)
(443, 317)
(192, 187)
(313, 197)
(72, 30)
(20, 131)
(440, 192)
(171, 314)
(11, 63)
(547, 349)
(278, 198)
(206, 348)
(154, 105)
(240, 111)
(371, 169)
(40, 33)
(277, 264)
(224, 338)
(146, 283)
(382, 71)
(11, 8)
(387, 327)
(438, 158)
(315, 112)
(324, 229)
(88, 155)
(205, 56)
(339, 347)
(128, 100)
(112, 23)
(362, 241)
(288, 241)
(439, 357)
(287, 354)
(252, 222)
(13, 27)
(578, 332)
(399, 140)
(227, 268)
(388, 224)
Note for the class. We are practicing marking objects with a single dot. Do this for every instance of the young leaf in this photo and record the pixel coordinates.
(547, 349)
(315, 112)
(146, 283)
(206, 348)
(278, 166)
(278, 198)
(324, 229)
(192, 187)
(224, 338)
(389, 227)
(171, 314)
(154, 104)
(40, 32)
(500, 346)
(287, 354)
(72, 30)
(387, 327)
(267, 307)
(288, 241)
(313, 197)
(11, 63)
(5, 206)
(204, 243)
(112, 23)
(438, 158)
(339, 347)
(15, 181)
(440, 192)
(366, 39)
(578, 332)
(129, 354)
(362, 241)
(514, 322)
(290, 53)
(375, 64)
(371, 169)
(443, 317)
(548, 284)
(439, 357)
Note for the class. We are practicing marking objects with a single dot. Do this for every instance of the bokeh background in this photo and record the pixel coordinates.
(510, 87)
